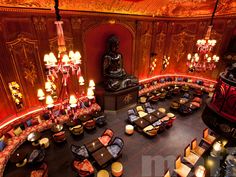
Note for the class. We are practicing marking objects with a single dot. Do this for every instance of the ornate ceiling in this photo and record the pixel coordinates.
(169, 8)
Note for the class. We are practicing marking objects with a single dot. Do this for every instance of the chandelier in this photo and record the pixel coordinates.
(66, 64)
(204, 59)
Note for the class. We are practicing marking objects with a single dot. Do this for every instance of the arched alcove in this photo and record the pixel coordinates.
(95, 47)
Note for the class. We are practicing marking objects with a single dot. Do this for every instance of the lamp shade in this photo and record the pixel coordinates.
(49, 101)
(91, 84)
(90, 93)
(81, 80)
(52, 58)
(73, 101)
(48, 86)
(41, 94)
(65, 59)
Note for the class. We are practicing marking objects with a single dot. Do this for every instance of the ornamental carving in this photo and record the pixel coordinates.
(39, 23)
(180, 43)
(54, 46)
(24, 52)
(172, 8)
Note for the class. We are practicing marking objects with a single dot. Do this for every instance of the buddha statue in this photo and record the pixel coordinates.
(115, 77)
(230, 72)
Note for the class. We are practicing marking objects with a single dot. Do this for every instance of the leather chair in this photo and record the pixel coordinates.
(167, 174)
(172, 118)
(77, 130)
(116, 147)
(159, 125)
(196, 149)
(84, 168)
(40, 172)
(80, 152)
(148, 108)
(175, 105)
(189, 156)
(180, 168)
(150, 130)
(132, 116)
(141, 111)
(36, 156)
(106, 137)
(185, 109)
(209, 139)
(59, 137)
(89, 125)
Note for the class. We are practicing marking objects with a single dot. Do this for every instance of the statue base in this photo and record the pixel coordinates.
(113, 101)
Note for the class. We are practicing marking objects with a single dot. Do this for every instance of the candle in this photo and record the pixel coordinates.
(102, 155)
(93, 144)
(129, 129)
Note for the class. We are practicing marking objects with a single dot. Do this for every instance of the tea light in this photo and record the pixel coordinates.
(93, 144)
(129, 129)
(102, 155)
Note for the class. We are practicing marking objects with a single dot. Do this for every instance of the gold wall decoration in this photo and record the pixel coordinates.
(127, 98)
(16, 94)
(24, 51)
(39, 23)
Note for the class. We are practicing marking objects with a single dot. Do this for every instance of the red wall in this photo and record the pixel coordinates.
(95, 43)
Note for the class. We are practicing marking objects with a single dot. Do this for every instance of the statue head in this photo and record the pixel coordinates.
(113, 43)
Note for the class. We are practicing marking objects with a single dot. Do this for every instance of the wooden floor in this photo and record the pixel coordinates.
(138, 149)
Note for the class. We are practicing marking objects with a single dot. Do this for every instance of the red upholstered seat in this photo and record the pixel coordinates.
(41, 172)
(106, 137)
(84, 168)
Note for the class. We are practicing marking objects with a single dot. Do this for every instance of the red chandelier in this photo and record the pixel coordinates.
(204, 59)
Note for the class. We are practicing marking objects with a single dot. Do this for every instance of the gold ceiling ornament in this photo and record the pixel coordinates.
(171, 8)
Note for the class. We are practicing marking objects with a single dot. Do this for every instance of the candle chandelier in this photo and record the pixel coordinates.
(63, 63)
(204, 59)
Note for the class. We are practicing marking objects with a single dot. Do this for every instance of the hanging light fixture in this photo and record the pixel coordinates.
(66, 64)
(204, 59)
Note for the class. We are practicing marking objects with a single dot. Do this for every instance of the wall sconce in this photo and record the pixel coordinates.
(165, 62)
(16, 94)
(153, 62)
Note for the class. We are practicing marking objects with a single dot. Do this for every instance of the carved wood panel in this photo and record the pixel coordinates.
(25, 56)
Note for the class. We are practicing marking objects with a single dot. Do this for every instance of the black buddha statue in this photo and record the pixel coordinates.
(230, 72)
(115, 77)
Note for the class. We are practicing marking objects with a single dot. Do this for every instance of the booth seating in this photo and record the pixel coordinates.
(197, 99)
(189, 156)
(132, 116)
(195, 148)
(209, 139)
(180, 168)
(159, 82)
(77, 130)
(185, 88)
(84, 168)
(117, 169)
